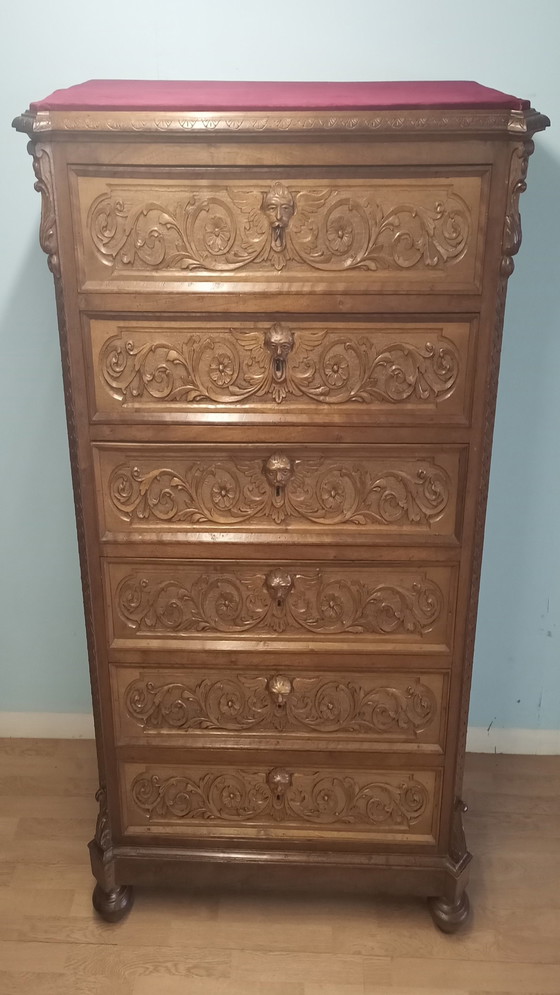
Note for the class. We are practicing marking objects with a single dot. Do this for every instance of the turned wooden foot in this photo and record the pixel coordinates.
(113, 905)
(450, 916)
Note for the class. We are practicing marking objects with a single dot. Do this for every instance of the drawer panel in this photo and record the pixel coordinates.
(303, 708)
(350, 494)
(330, 371)
(385, 607)
(421, 232)
(280, 802)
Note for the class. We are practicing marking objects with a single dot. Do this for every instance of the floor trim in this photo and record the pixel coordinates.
(75, 725)
(46, 725)
(539, 742)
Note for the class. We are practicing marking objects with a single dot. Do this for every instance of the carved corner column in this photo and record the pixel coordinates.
(451, 911)
(111, 902)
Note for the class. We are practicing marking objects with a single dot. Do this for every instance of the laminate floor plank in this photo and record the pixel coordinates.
(228, 942)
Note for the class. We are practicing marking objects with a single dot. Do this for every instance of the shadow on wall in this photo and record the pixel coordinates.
(43, 640)
(515, 659)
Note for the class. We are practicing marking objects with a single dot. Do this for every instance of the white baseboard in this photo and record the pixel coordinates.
(69, 725)
(539, 742)
(46, 725)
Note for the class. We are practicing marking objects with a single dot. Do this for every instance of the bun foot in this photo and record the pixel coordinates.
(113, 905)
(450, 916)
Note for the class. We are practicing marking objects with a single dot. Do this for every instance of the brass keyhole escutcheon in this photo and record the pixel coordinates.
(279, 688)
(279, 583)
(278, 470)
(279, 340)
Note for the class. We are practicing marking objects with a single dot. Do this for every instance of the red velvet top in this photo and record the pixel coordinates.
(179, 95)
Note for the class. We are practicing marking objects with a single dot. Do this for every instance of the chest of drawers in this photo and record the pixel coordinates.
(280, 310)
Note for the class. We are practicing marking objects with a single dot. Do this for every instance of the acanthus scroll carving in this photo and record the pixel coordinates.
(319, 601)
(281, 796)
(226, 229)
(281, 489)
(236, 366)
(48, 237)
(102, 827)
(511, 241)
(256, 703)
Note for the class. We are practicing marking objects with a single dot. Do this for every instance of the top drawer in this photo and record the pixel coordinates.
(300, 230)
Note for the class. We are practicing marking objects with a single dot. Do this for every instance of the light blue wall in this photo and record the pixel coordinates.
(509, 45)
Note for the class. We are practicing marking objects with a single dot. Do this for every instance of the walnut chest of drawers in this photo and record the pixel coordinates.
(280, 311)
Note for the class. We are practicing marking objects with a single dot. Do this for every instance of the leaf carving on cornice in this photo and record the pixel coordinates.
(511, 239)
(48, 238)
(277, 364)
(240, 703)
(249, 796)
(323, 602)
(226, 229)
(403, 121)
(281, 490)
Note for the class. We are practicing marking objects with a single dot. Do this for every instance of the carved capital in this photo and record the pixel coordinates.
(48, 238)
(511, 239)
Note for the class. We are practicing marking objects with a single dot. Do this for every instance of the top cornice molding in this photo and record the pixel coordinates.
(64, 124)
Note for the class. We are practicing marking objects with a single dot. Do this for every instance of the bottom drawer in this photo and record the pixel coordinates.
(280, 802)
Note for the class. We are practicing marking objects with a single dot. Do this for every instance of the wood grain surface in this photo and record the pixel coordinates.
(237, 941)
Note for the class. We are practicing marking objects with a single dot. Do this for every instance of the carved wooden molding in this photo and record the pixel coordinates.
(277, 364)
(226, 229)
(384, 122)
(230, 492)
(279, 601)
(315, 704)
(281, 796)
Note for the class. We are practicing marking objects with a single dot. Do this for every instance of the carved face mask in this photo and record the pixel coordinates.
(279, 341)
(278, 205)
(278, 470)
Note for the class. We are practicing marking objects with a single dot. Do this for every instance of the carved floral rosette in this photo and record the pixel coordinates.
(255, 703)
(237, 366)
(318, 601)
(222, 229)
(280, 489)
(281, 796)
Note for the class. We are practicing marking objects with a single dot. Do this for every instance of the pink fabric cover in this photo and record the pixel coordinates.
(178, 95)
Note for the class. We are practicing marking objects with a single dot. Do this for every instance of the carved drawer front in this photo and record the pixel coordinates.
(280, 801)
(399, 373)
(421, 232)
(204, 603)
(344, 710)
(347, 494)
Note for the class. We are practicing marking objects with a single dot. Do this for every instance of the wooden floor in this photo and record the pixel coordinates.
(176, 943)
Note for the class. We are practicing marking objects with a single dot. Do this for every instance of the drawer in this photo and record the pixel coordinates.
(292, 801)
(221, 604)
(347, 494)
(296, 708)
(291, 230)
(288, 371)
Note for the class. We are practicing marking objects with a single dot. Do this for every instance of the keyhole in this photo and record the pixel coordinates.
(278, 490)
(278, 366)
(279, 602)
